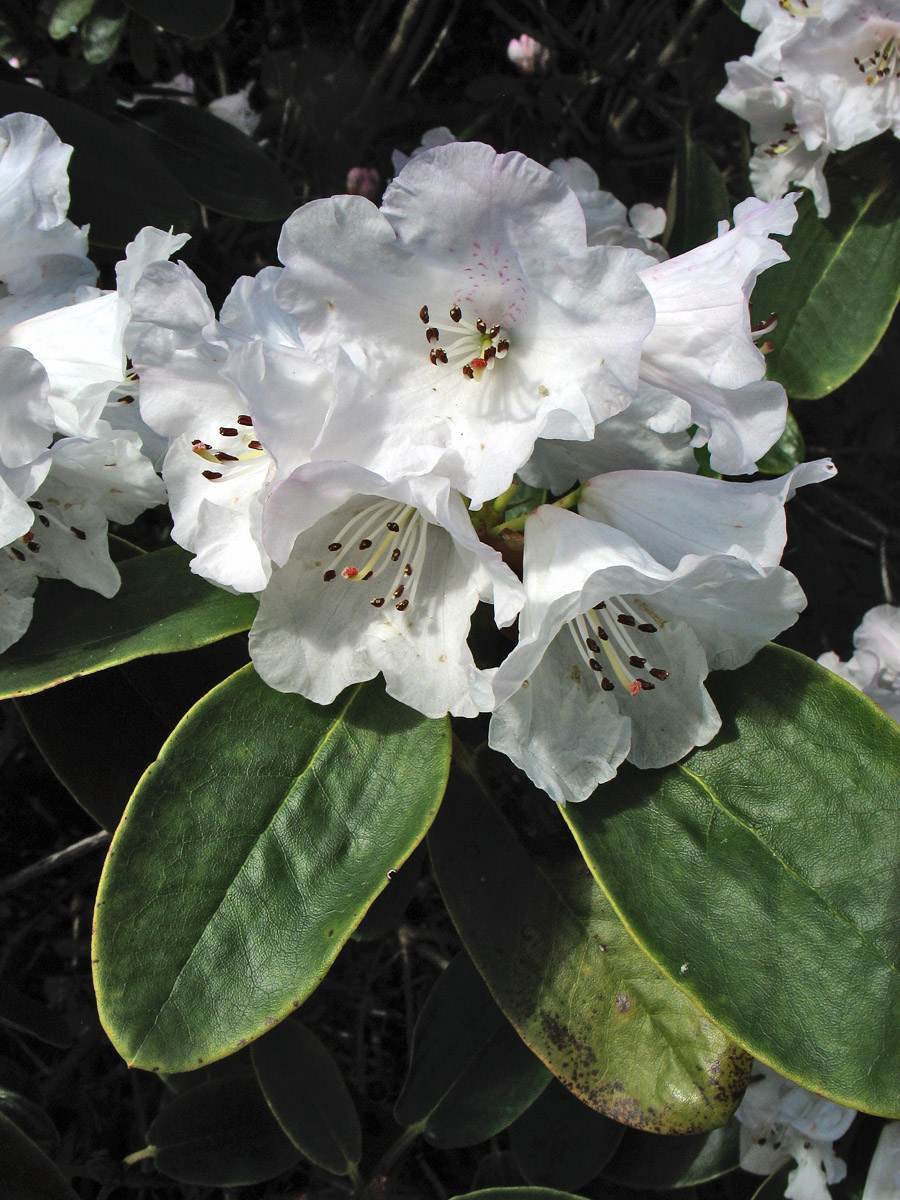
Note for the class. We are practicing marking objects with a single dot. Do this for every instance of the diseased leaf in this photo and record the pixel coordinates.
(568, 975)
(762, 874)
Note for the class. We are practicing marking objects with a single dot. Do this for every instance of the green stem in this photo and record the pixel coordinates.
(398, 1149)
(517, 524)
(502, 501)
(139, 1156)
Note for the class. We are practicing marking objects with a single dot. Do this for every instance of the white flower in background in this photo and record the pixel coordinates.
(781, 158)
(608, 222)
(883, 1179)
(875, 665)
(781, 1120)
(43, 256)
(235, 109)
(253, 394)
(699, 363)
(475, 309)
(701, 347)
(440, 136)
(528, 54)
(376, 576)
(834, 81)
(659, 578)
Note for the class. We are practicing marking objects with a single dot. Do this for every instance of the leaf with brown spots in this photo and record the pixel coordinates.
(572, 980)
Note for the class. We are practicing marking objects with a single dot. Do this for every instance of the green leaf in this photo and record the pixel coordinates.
(561, 1142)
(306, 1092)
(21, 1012)
(30, 1118)
(221, 1134)
(649, 1161)
(836, 296)
(565, 971)
(218, 165)
(386, 910)
(517, 1193)
(470, 1074)
(250, 850)
(788, 451)
(199, 19)
(26, 1173)
(160, 607)
(697, 199)
(117, 187)
(66, 15)
(736, 6)
(100, 732)
(762, 875)
(102, 31)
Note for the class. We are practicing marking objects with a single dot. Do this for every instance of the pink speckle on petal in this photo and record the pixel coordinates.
(350, 572)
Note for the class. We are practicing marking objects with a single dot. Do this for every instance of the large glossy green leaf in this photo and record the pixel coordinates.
(99, 733)
(218, 165)
(565, 971)
(247, 855)
(697, 198)
(470, 1074)
(561, 1142)
(649, 1161)
(306, 1092)
(67, 14)
(517, 1193)
(763, 874)
(221, 1134)
(160, 607)
(117, 186)
(102, 30)
(197, 19)
(835, 297)
(26, 1173)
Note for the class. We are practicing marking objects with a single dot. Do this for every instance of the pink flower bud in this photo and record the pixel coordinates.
(364, 181)
(527, 54)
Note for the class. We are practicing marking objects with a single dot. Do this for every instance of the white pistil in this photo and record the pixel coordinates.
(243, 448)
(603, 632)
(475, 347)
(400, 534)
(883, 62)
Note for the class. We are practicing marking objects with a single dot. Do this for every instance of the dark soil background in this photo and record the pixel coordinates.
(338, 88)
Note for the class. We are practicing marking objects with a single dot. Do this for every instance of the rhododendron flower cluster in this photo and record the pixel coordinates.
(71, 456)
(822, 77)
(340, 439)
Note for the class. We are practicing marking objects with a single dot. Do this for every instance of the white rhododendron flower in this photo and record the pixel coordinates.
(701, 347)
(376, 576)
(659, 578)
(253, 394)
(883, 1179)
(780, 1121)
(474, 308)
(875, 665)
(608, 221)
(781, 158)
(833, 72)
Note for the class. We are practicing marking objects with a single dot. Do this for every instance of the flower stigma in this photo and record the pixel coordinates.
(243, 447)
(392, 536)
(610, 630)
(473, 346)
